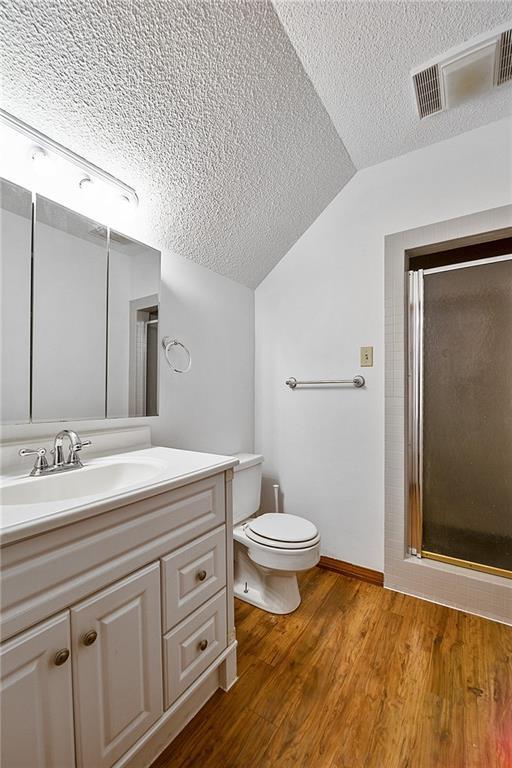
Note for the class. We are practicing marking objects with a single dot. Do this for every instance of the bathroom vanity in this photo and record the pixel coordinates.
(117, 607)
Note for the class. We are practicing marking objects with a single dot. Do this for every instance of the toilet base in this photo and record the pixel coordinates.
(272, 591)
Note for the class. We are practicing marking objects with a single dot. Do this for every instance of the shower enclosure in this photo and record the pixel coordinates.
(460, 414)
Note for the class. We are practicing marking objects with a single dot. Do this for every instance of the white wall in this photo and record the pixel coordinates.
(322, 302)
(211, 408)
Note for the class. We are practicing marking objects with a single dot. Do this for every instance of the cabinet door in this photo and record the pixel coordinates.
(117, 667)
(36, 698)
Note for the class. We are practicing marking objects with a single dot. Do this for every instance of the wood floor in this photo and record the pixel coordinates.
(358, 677)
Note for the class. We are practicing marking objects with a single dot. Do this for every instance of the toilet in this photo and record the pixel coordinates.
(269, 549)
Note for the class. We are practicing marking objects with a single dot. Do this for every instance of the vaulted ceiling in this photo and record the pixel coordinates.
(233, 121)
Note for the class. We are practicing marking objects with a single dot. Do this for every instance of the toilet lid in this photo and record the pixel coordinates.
(276, 529)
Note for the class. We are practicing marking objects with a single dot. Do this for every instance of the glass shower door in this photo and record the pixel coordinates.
(462, 442)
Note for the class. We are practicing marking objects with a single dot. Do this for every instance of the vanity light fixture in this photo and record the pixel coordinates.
(43, 149)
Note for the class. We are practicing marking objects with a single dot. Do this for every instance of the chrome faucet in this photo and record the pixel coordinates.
(75, 445)
(41, 466)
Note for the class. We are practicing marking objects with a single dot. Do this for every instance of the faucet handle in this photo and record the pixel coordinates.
(73, 451)
(41, 464)
(80, 445)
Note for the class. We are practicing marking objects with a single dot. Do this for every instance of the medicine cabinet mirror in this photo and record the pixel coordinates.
(79, 304)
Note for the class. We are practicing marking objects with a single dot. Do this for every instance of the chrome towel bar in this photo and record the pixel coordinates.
(357, 381)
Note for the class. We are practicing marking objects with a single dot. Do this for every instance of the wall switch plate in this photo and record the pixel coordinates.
(366, 357)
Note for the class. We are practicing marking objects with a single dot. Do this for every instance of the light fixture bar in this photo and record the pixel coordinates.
(54, 147)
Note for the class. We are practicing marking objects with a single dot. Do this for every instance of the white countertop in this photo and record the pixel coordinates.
(165, 468)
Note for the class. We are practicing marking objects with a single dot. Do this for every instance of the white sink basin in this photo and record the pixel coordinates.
(90, 480)
(30, 505)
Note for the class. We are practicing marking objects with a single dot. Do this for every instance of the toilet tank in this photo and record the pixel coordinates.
(246, 486)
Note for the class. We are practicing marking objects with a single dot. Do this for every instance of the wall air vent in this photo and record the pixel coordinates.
(428, 92)
(504, 72)
(464, 72)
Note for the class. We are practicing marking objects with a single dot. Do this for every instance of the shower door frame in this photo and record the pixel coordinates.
(415, 354)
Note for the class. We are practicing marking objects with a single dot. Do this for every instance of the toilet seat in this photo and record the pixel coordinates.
(282, 531)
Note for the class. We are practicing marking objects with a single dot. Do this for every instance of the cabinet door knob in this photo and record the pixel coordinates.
(203, 645)
(61, 657)
(90, 637)
(201, 575)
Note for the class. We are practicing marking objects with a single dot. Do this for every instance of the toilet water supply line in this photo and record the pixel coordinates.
(276, 496)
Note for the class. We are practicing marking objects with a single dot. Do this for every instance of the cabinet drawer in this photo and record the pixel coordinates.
(192, 646)
(191, 575)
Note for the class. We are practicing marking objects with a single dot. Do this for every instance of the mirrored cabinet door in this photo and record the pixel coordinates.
(15, 266)
(79, 315)
(69, 315)
(133, 301)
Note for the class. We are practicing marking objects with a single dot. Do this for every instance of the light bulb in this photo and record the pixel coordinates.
(39, 156)
(41, 165)
(86, 185)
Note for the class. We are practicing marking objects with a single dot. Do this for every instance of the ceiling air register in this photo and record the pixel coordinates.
(463, 72)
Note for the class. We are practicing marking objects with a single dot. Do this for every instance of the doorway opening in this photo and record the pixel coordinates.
(143, 370)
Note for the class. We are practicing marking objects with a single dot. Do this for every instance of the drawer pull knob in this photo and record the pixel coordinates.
(201, 575)
(90, 637)
(203, 645)
(61, 657)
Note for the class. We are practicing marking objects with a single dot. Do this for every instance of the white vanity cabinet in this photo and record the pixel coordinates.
(118, 628)
(36, 698)
(117, 667)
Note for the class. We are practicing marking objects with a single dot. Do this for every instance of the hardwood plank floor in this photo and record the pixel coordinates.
(358, 677)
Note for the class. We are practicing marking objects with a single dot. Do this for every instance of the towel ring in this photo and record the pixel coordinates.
(167, 343)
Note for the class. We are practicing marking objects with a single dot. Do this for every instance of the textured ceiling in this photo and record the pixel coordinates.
(359, 56)
(203, 107)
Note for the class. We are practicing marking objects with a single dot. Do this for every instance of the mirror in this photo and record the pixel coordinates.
(91, 348)
(70, 315)
(133, 298)
(15, 268)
